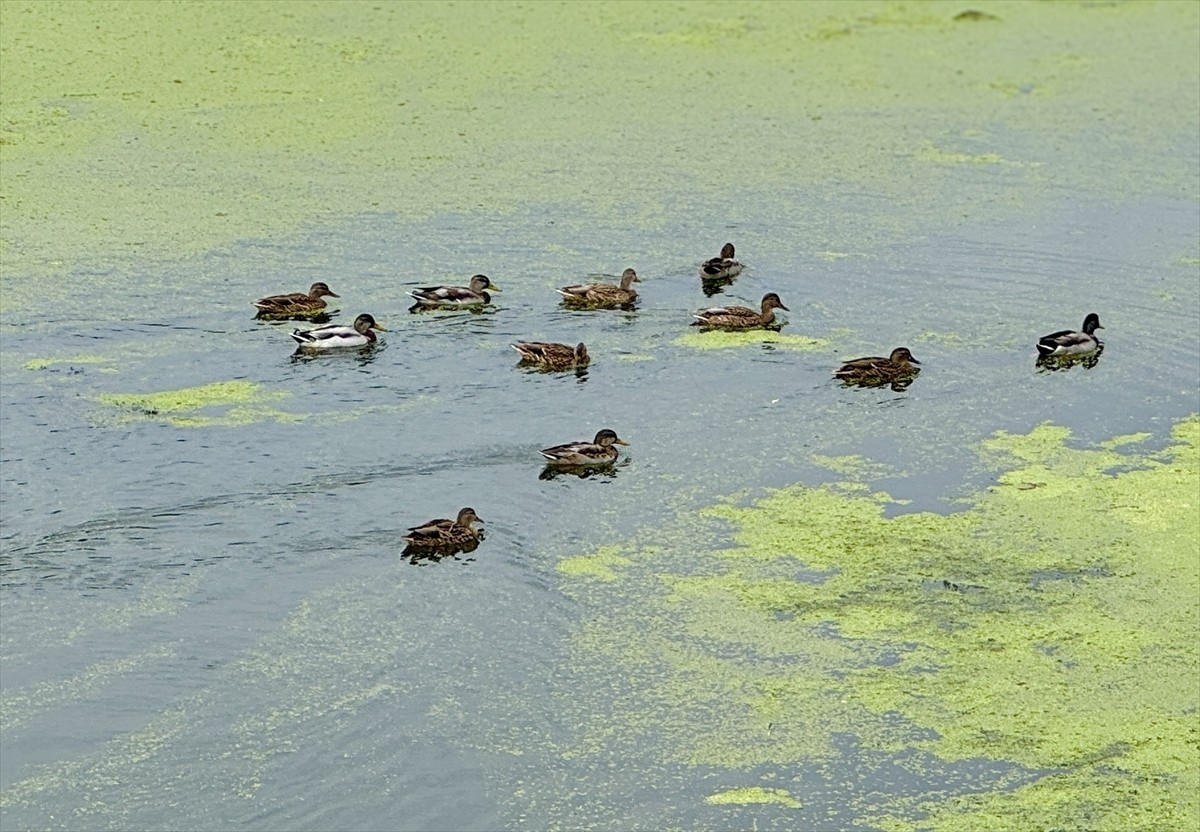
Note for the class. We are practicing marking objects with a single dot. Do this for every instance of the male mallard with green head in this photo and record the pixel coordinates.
(876, 371)
(599, 451)
(1070, 343)
(721, 266)
(602, 294)
(740, 317)
(441, 535)
(295, 305)
(553, 356)
(451, 297)
(332, 337)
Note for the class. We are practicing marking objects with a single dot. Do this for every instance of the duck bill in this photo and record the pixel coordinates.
(620, 442)
(333, 295)
(494, 288)
(784, 308)
(379, 326)
(913, 361)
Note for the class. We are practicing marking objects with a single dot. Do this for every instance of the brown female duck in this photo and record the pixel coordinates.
(599, 451)
(443, 534)
(553, 356)
(602, 294)
(876, 371)
(740, 317)
(295, 305)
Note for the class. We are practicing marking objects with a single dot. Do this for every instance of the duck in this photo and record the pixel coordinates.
(455, 296)
(721, 266)
(740, 317)
(602, 294)
(332, 337)
(553, 356)
(599, 451)
(1067, 343)
(296, 304)
(876, 370)
(442, 534)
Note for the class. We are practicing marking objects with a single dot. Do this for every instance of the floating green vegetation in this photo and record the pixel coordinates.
(43, 363)
(599, 565)
(1019, 634)
(718, 340)
(852, 465)
(753, 794)
(929, 153)
(243, 399)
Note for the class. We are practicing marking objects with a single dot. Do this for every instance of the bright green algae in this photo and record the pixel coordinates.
(154, 130)
(1052, 627)
(243, 401)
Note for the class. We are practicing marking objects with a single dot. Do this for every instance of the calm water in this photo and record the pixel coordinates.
(208, 627)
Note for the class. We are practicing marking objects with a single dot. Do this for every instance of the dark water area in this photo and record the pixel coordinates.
(197, 614)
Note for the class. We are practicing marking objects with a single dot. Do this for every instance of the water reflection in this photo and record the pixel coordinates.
(364, 354)
(553, 471)
(1055, 363)
(897, 385)
(714, 285)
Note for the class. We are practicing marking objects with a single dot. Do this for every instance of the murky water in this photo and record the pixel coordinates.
(206, 618)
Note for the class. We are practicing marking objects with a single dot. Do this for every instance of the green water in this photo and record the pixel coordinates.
(791, 604)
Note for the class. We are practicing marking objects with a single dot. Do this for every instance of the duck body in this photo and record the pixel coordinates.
(295, 305)
(334, 337)
(553, 356)
(876, 371)
(443, 535)
(1069, 342)
(451, 297)
(741, 317)
(722, 266)
(600, 451)
(602, 294)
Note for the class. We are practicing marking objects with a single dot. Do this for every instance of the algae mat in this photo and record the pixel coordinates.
(135, 132)
(1051, 628)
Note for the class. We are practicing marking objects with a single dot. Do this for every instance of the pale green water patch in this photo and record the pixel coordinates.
(244, 402)
(1019, 631)
(424, 108)
(718, 340)
(753, 794)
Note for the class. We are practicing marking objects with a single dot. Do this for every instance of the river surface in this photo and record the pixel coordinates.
(207, 621)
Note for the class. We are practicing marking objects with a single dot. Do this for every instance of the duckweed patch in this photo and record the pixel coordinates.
(244, 401)
(601, 565)
(753, 794)
(43, 363)
(718, 340)
(1003, 649)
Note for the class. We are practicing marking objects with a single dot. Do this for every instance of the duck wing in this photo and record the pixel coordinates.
(1065, 341)
(329, 336)
(544, 352)
(578, 453)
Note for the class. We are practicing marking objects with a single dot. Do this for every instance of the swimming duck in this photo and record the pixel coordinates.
(296, 304)
(602, 294)
(332, 337)
(740, 317)
(722, 266)
(553, 356)
(443, 534)
(1071, 343)
(599, 451)
(455, 296)
(876, 371)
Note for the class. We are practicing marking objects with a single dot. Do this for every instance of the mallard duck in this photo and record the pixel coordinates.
(740, 317)
(554, 356)
(1071, 343)
(454, 296)
(599, 451)
(296, 304)
(443, 534)
(332, 337)
(721, 266)
(875, 371)
(602, 294)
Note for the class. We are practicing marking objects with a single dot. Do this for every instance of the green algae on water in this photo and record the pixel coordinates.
(599, 565)
(719, 340)
(753, 794)
(244, 401)
(1004, 648)
(43, 363)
